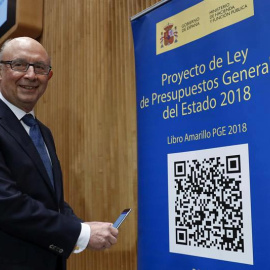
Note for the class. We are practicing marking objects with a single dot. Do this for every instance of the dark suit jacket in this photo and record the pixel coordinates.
(38, 230)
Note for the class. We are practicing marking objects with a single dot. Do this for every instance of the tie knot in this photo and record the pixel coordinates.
(29, 120)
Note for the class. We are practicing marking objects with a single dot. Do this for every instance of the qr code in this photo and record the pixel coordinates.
(209, 204)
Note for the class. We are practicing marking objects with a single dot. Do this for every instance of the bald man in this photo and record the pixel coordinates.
(38, 229)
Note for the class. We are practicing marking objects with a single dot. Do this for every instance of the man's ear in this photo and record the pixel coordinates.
(50, 74)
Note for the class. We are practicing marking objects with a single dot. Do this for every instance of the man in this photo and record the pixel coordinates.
(38, 230)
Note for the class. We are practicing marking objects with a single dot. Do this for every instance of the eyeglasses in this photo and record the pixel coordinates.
(22, 66)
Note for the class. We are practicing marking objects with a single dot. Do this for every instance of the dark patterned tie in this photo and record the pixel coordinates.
(38, 141)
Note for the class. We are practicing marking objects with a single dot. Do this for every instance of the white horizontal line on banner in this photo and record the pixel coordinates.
(162, 2)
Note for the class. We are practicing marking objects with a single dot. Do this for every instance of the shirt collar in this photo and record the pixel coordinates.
(17, 111)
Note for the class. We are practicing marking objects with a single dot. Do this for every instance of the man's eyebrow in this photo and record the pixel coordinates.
(19, 59)
(36, 62)
(41, 62)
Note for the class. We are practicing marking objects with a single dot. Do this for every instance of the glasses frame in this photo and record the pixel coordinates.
(27, 67)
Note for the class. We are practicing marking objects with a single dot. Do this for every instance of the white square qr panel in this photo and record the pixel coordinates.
(209, 204)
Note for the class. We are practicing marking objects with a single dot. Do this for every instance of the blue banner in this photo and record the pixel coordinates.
(202, 73)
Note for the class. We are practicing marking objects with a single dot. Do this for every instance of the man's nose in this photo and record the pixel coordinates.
(30, 73)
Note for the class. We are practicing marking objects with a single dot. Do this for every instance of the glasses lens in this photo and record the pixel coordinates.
(41, 68)
(19, 65)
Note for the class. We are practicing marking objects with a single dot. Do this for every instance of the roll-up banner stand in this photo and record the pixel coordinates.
(203, 108)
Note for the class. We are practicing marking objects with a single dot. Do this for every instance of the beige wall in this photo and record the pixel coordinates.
(90, 107)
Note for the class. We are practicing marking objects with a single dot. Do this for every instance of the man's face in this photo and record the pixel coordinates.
(23, 89)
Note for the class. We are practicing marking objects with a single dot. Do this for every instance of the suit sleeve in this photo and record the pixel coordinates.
(68, 211)
(29, 219)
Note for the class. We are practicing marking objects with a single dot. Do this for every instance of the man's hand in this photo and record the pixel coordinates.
(103, 235)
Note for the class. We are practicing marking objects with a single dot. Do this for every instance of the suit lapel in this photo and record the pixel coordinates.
(55, 163)
(13, 126)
